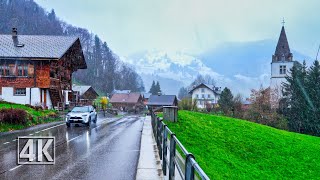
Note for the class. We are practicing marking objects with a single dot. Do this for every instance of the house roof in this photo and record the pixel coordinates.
(35, 46)
(162, 100)
(81, 89)
(216, 90)
(121, 91)
(125, 98)
(147, 95)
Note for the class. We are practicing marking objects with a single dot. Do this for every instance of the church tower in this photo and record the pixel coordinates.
(281, 62)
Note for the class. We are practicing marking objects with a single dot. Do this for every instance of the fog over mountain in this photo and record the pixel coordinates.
(240, 66)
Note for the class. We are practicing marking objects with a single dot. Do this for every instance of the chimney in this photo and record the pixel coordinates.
(14, 33)
(15, 38)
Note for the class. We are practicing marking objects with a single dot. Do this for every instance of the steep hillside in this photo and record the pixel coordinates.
(228, 148)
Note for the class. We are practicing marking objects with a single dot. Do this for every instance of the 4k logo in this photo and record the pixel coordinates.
(36, 150)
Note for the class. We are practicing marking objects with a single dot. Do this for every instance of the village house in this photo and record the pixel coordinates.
(146, 97)
(127, 101)
(205, 94)
(84, 94)
(37, 70)
(159, 101)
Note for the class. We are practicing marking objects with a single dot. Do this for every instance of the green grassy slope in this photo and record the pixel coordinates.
(38, 117)
(228, 148)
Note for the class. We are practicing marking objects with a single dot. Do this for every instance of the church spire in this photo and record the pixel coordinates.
(282, 52)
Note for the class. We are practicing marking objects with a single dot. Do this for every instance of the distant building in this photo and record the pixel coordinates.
(156, 101)
(85, 94)
(205, 94)
(127, 102)
(121, 91)
(282, 62)
(146, 97)
(37, 70)
(245, 105)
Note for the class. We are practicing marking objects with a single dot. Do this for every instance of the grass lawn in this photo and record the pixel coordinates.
(228, 148)
(39, 117)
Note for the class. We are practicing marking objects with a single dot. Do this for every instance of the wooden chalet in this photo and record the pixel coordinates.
(127, 101)
(84, 94)
(37, 70)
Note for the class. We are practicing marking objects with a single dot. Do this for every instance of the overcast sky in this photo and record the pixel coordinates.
(130, 26)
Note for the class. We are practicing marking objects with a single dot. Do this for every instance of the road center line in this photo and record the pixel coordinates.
(74, 138)
(15, 167)
(51, 127)
(6, 143)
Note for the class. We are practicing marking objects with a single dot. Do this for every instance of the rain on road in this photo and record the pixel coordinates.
(106, 150)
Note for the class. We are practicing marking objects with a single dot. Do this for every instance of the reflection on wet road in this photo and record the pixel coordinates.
(108, 149)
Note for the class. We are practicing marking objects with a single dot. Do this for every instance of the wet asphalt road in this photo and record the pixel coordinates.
(108, 149)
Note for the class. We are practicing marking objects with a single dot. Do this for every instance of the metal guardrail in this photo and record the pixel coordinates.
(186, 166)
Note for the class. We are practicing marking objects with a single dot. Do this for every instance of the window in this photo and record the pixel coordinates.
(12, 70)
(6, 70)
(1, 70)
(209, 96)
(20, 70)
(25, 70)
(283, 70)
(197, 95)
(20, 92)
(202, 90)
(202, 96)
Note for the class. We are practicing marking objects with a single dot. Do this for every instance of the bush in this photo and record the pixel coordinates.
(13, 116)
(188, 104)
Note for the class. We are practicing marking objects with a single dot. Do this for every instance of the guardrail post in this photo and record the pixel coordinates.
(172, 156)
(189, 169)
(164, 150)
(160, 138)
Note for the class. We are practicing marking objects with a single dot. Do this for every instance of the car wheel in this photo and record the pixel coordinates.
(88, 123)
(95, 119)
(68, 124)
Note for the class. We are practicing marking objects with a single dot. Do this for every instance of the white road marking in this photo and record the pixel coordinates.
(15, 167)
(74, 138)
(30, 134)
(37, 132)
(52, 127)
(6, 143)
(14, 140)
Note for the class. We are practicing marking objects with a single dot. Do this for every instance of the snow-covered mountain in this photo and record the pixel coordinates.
(239, 66)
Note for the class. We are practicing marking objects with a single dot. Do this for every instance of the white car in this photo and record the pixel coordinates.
(81, 114)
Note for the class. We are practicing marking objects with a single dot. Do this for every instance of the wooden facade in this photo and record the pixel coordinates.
(51, 75)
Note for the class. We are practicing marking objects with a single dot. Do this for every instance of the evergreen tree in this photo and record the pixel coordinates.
(226, 101)
(153, 88)
(158, 88)
(313, 99)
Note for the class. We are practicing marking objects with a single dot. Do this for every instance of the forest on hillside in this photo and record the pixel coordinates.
(105, 71)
